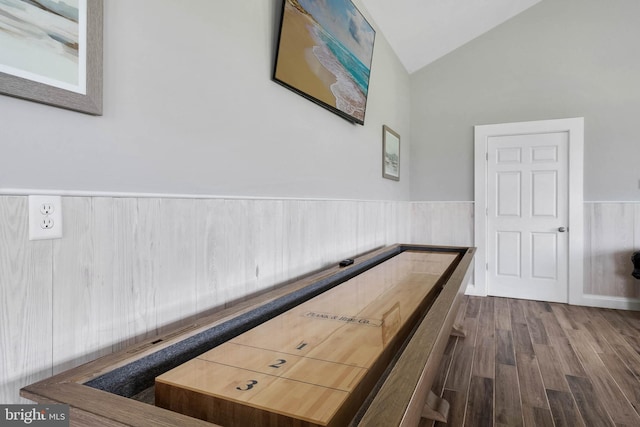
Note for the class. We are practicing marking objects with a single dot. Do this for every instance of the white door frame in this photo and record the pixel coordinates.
(575, 130)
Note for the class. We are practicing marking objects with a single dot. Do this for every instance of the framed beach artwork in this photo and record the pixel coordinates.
(51, 52)
(390, 154)
(324, 53)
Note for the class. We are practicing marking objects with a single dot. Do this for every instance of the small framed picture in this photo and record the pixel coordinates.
(390, 154)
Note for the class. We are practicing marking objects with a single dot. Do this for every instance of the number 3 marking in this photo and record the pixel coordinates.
(248, 386)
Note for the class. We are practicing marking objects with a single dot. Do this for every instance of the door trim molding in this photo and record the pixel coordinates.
(575, 129)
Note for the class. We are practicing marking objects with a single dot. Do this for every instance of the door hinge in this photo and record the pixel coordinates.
(486, 266)
(486, 156)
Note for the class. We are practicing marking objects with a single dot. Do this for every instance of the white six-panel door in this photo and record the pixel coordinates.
(527, 216)
(528, 209)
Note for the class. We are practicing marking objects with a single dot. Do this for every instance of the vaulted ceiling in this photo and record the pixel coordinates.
(421, 31)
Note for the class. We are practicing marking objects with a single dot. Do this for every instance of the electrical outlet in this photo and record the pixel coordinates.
(46, 208)
(46, 223)
(45, 217)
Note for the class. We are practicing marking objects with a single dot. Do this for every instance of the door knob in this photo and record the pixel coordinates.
(562, 229)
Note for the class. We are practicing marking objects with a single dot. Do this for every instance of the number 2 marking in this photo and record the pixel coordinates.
(248, 386)
(278, 363)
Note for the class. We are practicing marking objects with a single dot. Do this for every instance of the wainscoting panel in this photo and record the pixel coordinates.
(241, 251)
(612, 234)
(83, 274)
(442, 223)
(371, 225)
(128, 268)
(25, 302)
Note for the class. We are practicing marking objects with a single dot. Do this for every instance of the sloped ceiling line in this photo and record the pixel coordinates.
(421, 31)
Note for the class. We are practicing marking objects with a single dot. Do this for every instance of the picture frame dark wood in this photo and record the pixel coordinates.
(390, 153)
(324, 53)
(89, 102)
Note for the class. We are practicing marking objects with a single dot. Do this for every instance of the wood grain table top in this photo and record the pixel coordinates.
(308, 362)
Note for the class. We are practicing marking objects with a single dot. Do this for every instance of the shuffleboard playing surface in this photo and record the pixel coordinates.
(314, 364)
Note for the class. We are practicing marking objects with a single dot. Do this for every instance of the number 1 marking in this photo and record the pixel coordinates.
(301, 346)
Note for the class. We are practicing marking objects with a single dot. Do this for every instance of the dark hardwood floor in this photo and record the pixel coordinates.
(529, 363)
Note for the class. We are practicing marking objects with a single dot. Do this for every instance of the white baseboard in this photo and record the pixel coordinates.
(588, 300)
(603, 301)
(473, 291)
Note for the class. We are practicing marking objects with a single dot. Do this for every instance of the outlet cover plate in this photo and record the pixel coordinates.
(38, 217)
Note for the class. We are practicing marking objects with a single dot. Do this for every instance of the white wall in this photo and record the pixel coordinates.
(190, 108)
(558, 59)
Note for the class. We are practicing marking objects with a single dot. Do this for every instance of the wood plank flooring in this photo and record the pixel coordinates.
(530, 363)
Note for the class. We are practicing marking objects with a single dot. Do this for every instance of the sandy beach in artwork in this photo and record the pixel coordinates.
(302, 69)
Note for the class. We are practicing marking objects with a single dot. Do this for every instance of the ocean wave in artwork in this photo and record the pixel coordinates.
(349, 96)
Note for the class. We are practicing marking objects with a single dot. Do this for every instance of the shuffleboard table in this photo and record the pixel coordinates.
(354, 345)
